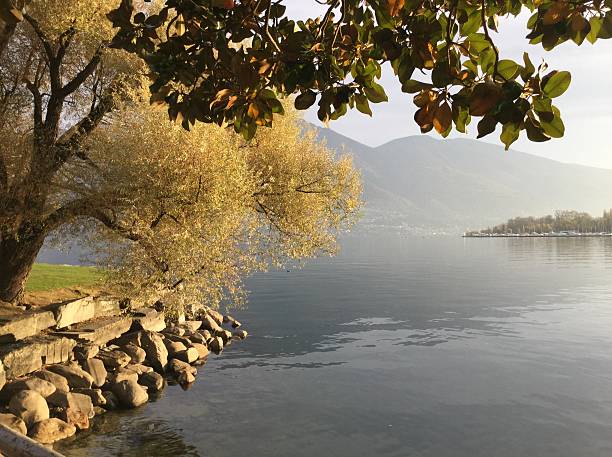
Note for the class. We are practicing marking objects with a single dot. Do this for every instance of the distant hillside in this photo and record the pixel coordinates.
(465, 183)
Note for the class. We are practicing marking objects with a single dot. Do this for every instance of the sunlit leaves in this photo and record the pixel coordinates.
(557, 84)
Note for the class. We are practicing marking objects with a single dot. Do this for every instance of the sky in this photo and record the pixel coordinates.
(586, 107)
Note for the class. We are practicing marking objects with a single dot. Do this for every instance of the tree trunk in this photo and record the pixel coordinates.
(17, 255)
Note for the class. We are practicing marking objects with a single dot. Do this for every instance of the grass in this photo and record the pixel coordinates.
(45, 277)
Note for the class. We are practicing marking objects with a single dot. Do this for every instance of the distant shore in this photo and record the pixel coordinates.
(536, 235)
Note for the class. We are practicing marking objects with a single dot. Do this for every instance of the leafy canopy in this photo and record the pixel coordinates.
(228, 61)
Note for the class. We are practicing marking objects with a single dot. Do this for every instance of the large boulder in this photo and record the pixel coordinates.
(179, 366)
(114, 359)
(75, 408)
(123, 374)
(208, 323)
(189, 355)
(30, 406)
(57, 380)
(216, 344)
(13, 422)
(45, 388)
(174, 347)
(112, 402)
(153, 381)
(157, 354)
(74, 374)
(130, 393)
(97, 371)
(95, 394)
(51, 430)
(201, 349)
(240, 334)
(137, 354)
(86, 351)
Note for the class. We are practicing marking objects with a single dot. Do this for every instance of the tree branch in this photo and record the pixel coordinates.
(82, 75)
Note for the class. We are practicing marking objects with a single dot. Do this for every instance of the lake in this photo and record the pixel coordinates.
(402, 346)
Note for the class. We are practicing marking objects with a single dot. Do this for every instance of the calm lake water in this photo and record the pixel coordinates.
(402, 346)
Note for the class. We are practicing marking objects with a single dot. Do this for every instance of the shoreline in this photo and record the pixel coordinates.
(528, 235)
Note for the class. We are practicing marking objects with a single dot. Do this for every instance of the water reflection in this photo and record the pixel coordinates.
(405, 347)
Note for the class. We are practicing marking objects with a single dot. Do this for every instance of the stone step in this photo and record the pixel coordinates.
(17, 326)
(98, 331)
(83, 309)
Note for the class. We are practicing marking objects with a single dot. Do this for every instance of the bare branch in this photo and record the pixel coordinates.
(82, 75)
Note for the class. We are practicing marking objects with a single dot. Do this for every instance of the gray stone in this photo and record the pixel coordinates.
(216, 344)
(99, 331)
(174, 347)
(14, 423)
(97, 371)
(149, 319)
(57, 380)
(139, 368)
(136, 353)
(114, 359)
(24, 325)
(75, 375)
(208, 323)
(189, 355)
(196, 337)
(112, 402)
(177, 339)
(191, 325)
(51, 430)
(202, 350)
(130, 394)
(227, 319)
(83, 309)
(154, 381)
(95, 394)
(178, 365)
(44, 388)
(86, 351)
(123, 374)
(24, 357)
(132, 338)
(76, 408)
(240, 334)
(154, 346)
(30, 406)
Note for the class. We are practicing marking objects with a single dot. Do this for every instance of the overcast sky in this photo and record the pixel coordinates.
(586, 107)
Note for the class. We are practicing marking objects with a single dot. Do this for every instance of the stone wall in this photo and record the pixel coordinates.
(63, 364)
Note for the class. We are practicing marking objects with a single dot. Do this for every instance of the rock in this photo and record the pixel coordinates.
(225, 334)
(83, 309)
(174, 347)
(51, 430)
(157, 354)
(191, 325)
(136, 353)
(178, 366)
(44, 388)
(76, 408)
(25, 324)
(2, 376)
(196, 337)
(24, 357)
(139, 368)
(215, 315)
(216, 344)
(14, 423)
(99, 331)
(154, 381)
(75, 375)
(130, 394)
(30, 406)
(112, 402)
(57, 380)
(149, 319)
(95, 394)
(123, 374)
(174, 330)
(227, 319)
(114, 359)
(97, 370)
(86, 351)
(206, 335)
(185, 377)
(189, 355)
(210, 324)
(202, 350)
(177, 339)
(99, 410)
(240, 334)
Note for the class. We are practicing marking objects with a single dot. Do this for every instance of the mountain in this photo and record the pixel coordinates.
(464, 183)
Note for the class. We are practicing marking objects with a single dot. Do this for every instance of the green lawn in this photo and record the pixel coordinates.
(45, 277)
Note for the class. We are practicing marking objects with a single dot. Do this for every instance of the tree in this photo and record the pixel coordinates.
(82, 150)
(221, 61)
